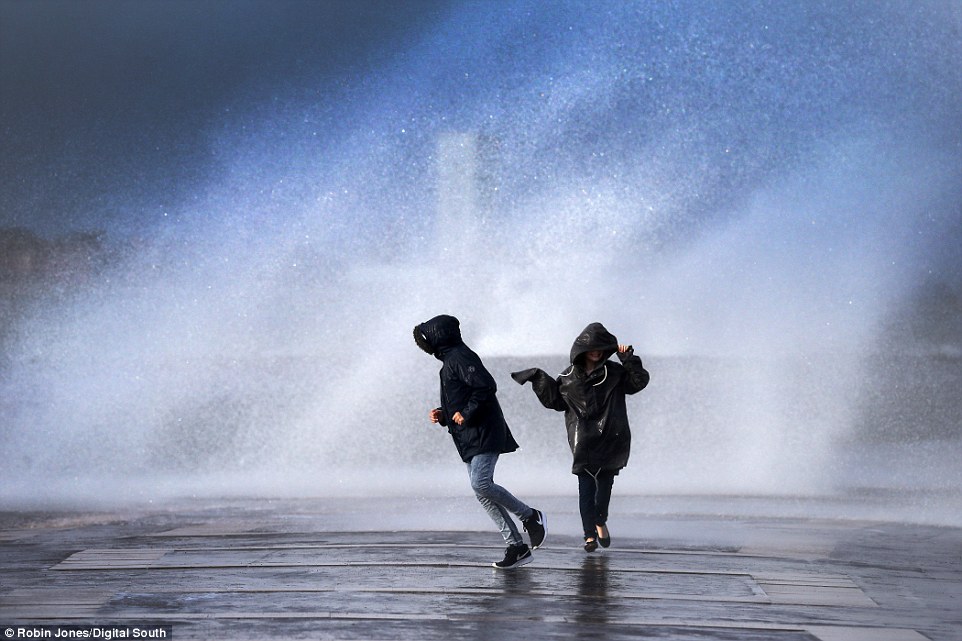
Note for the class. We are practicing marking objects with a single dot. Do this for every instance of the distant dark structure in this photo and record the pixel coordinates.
(27, 259)
(35, 269)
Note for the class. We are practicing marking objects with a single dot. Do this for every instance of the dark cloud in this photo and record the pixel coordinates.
(106, 104)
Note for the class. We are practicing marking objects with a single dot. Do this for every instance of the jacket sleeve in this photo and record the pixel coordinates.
(638, 376)
(545, 387)
(483, 388)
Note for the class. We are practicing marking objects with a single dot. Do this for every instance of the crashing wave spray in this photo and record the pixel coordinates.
(745, 196)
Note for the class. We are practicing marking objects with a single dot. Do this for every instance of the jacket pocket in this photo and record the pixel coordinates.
(469, 437)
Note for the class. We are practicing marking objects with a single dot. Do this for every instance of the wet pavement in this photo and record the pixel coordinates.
(369, 568)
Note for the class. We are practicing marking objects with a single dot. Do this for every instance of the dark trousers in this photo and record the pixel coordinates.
(594, 491)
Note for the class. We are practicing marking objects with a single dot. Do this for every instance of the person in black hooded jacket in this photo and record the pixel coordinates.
(471, 412)
(591, 392)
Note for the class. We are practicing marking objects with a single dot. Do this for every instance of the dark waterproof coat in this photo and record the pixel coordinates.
(594, 404)
(466, 387)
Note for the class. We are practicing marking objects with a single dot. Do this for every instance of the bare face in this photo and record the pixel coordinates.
(594, 356)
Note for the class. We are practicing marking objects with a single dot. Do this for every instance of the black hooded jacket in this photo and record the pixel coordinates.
(596, 416)
(466, 387)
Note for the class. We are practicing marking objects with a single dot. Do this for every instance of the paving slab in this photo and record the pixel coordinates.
(356, 569)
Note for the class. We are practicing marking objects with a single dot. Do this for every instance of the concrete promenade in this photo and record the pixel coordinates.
(361, 569)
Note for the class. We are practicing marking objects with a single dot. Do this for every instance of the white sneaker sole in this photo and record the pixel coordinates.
(544, 526)
(525, 561)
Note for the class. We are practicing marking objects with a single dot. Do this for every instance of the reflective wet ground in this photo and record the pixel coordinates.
(362, 569)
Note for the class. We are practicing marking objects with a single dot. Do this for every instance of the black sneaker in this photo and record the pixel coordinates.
(591, 544)
(604, 537)
(515, 556)
(536, 526)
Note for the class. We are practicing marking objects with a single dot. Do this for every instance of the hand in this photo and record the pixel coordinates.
(457, 418)
(435, 415)
(625, 349)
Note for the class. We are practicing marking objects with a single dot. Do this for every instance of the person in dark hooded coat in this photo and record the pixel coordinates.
(591, 392)
(471, 412)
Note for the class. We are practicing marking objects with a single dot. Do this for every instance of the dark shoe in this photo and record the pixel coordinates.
(591, 544)
(536, 526)
(604, 537)
(515, 556)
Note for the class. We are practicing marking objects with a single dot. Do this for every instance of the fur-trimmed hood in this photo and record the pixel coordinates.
(438, 334)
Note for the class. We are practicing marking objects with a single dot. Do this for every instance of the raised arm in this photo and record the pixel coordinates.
(545, 387)
(638, 376)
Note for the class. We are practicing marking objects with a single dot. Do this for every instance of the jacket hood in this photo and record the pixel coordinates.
(438, 334)
(593, 337)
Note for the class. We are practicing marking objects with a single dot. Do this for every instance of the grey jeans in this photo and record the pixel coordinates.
(496, 500)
